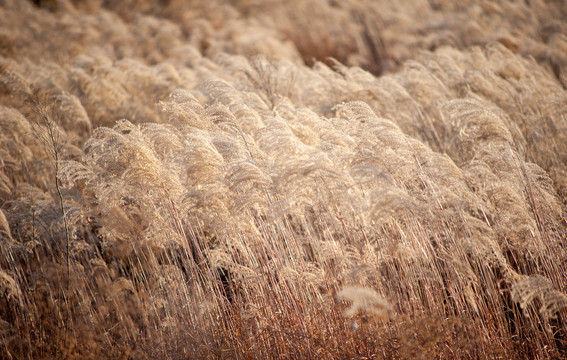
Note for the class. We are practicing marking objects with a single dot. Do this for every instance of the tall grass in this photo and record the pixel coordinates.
(203, 204)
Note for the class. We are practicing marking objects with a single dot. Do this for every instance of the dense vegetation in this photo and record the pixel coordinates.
(283, 179)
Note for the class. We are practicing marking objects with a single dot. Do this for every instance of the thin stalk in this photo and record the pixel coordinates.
(51, 139)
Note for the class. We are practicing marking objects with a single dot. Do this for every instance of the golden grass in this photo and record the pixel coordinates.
(201, 181)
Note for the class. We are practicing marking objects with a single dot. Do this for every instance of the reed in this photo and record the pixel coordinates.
(172, 188)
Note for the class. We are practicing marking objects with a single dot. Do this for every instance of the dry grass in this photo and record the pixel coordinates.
(203, 181)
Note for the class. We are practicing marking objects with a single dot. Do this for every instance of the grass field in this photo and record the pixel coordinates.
(303, 179)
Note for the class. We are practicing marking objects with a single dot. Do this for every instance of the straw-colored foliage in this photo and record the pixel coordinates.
(283, 179)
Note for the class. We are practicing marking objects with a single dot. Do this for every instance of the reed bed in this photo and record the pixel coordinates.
(195, 180)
